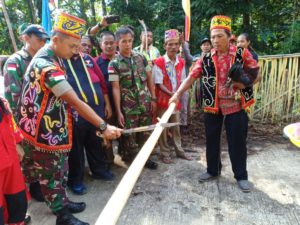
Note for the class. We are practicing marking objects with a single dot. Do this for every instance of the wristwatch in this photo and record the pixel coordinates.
(103, 126)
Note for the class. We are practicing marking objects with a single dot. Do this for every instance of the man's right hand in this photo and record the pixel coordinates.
(174, 98)
(111, 132)
(121, 119)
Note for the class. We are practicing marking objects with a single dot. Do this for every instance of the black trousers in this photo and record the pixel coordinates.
(84, 137)
(236, 126)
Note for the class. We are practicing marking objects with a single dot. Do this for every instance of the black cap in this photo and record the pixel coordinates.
(37, 30)
(205, 40)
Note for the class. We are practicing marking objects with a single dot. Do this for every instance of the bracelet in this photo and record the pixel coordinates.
(154, 99)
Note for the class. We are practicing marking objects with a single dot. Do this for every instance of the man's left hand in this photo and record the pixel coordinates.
(108, 112)
(104, 22)
(181, 38)
(238, 85)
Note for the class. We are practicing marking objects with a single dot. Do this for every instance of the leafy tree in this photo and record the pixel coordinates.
(273, 25)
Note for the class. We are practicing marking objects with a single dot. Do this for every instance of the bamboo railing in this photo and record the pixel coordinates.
(278, 94)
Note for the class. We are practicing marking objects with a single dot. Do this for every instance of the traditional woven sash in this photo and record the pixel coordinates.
(78, 83)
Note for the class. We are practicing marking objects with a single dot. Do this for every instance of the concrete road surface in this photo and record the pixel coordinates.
(172, 195)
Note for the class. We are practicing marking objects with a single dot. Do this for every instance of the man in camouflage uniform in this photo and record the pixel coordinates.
(34, 38)
(146, 48)
(133, 92)
(45, 116)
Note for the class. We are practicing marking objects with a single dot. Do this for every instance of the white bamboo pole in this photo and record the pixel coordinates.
(111, 212)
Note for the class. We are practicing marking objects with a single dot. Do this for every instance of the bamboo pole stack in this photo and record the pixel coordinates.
(278, 95)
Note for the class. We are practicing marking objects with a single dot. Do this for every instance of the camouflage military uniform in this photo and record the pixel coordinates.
(53, 176)
(135, 97)
(14, 70)
(46, 124)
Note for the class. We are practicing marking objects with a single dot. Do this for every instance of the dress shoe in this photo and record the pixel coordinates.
(64, 217)
(106, 175)
(206, 177)
(78, 189)
(27, 219)
(76, 207)
(35, 191)
(244, 185)
(151, 164)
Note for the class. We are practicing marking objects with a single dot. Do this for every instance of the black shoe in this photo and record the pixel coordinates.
(35, 191)
(244, 185)
(76, 207)
(27, 219)
(106, 175)
(206, 177)
(151, 164)
(64, 217)
(78, 189)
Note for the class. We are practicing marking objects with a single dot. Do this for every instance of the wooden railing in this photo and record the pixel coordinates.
(278, 94)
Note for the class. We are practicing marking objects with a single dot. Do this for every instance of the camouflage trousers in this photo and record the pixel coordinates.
(131, 143)
(30, 173)
(51, 170)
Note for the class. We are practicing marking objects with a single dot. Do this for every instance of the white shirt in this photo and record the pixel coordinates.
(171, 70)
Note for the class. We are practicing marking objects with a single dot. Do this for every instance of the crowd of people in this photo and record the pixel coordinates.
(60, 97)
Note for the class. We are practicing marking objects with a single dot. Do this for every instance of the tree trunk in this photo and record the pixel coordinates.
(39, 7)
(246, 22)
(92, 2)
(246, 18)
(104, 12)
(32, 11)
(10, 30)
(82, 11)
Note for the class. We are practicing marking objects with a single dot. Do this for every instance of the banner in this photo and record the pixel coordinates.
(186, 5)
(46, 16)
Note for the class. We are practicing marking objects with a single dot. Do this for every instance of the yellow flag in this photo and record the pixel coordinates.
(186, 5)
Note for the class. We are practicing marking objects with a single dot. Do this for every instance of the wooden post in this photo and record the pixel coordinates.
(111, 212)
(11, 33)
(104, 11)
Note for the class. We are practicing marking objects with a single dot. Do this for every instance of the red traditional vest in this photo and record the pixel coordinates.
(210, 83)
(162, 97)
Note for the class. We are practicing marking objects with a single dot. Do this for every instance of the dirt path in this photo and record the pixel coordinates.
(172, 195)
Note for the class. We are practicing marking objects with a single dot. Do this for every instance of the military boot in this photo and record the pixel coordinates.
(64, 217)
(35, 191)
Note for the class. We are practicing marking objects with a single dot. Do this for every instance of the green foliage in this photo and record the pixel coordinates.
(273, 25)
(18, 13)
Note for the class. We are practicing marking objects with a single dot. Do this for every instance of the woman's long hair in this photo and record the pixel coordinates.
(246, 35)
